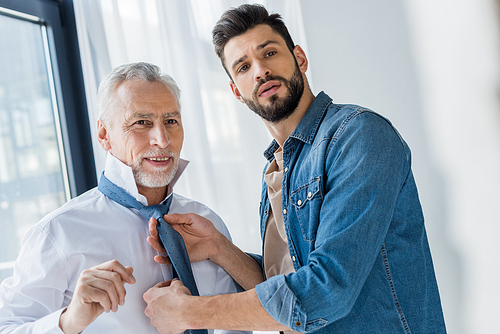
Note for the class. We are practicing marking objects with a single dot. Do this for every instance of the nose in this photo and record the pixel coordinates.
(261, 70)
(159, 137)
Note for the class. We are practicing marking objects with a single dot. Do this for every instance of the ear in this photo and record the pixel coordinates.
(235, 91)
(103, 136)
(301, 58)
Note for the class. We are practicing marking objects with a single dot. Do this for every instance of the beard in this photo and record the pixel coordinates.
(160, 176)
(278, 109)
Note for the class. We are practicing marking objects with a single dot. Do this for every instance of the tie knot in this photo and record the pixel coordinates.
(156, 210)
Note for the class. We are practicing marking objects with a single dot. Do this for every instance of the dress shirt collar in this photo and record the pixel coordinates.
(122, 175)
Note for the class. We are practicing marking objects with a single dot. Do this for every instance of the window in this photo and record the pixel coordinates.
(42, 162)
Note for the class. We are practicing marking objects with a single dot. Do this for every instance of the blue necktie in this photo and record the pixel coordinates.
(171, 239)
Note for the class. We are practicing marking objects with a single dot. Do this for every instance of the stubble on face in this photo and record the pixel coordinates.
(279, 108)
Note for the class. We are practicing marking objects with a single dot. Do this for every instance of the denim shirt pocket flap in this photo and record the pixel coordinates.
(301, 196)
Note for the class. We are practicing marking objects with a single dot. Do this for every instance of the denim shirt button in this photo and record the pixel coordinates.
(299, 202)
(284, 211)
(265, 212)
(309, 194)
(294, 258)
(286, 169)
(298, 323)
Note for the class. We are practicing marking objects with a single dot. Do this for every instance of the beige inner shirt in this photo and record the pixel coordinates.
(277, 258)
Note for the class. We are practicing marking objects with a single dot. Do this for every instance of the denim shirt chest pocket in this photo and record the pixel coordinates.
(306, 201)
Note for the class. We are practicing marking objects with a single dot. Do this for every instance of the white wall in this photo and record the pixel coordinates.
(432, 68)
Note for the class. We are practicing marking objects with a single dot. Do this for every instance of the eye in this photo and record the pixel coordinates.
(141, 123)
(243, 68)
(171, 121)
(270, 53)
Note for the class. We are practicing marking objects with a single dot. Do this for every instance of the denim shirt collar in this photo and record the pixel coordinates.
(306, 130)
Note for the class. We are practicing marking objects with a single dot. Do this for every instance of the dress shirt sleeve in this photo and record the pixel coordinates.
(31, 300)
(365, 169)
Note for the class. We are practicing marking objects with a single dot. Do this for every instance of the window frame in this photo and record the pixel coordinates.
(59, 19)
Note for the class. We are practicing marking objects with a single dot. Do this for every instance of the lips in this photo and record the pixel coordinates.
(269, 88)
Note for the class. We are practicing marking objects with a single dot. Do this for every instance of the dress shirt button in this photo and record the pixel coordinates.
(294, 258)
(286, 169)
(298, 323)
(299, 202)
(284, 211)
(309, 194)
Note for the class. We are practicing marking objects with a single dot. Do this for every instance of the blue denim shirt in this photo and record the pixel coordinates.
(355, 229)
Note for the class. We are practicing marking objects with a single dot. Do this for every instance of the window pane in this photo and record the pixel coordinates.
(31, 173)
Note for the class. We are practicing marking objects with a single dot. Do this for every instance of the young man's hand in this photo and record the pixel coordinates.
(199, 234)
(165, 306)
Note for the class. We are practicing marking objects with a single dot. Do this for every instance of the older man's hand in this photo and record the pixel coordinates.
(99, 289)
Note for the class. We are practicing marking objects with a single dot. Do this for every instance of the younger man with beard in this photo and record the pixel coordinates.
(75, 263)
(344, 243)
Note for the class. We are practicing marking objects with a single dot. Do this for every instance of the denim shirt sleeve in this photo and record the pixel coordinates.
(366, 163)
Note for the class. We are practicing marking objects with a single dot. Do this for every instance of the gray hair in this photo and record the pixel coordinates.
(138, 71)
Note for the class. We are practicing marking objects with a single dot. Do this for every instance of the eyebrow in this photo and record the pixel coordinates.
(172, 114)
(149, 115)
(259, 47)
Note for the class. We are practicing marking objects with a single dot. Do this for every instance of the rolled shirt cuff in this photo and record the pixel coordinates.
(281, 304)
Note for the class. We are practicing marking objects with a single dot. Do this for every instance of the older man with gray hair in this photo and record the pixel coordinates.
(79, 262)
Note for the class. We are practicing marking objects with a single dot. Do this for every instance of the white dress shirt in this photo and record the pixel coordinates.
(87, 231)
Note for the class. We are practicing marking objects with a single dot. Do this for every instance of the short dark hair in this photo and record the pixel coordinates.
(237, 21)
